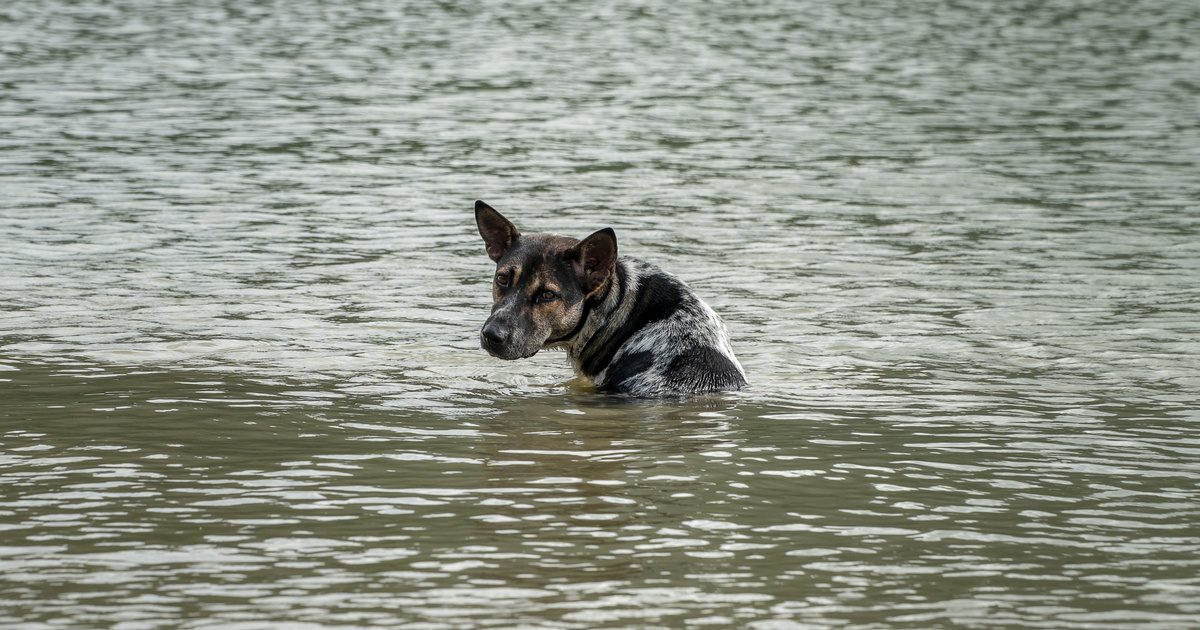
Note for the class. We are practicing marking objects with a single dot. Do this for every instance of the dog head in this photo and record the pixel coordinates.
(542, 284)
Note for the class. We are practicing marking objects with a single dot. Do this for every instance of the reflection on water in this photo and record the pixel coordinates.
(956, 247)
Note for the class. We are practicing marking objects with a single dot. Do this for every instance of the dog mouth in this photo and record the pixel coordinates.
(508, 354)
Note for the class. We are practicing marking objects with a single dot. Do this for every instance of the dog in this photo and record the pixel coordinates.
(626, 324)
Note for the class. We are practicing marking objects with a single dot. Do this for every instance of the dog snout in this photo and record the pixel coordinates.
(493, 335)
(497, 338)
(505, 339)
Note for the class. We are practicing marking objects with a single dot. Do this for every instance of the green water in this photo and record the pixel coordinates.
(957, 248)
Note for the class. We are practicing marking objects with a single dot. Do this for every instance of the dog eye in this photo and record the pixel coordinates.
(547, 296)
(502, 279)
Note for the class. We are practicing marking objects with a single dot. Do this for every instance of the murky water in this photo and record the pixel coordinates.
(957, 247)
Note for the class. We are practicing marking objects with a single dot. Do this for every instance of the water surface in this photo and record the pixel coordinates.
(957, 248)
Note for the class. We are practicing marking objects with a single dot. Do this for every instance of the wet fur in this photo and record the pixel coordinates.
(626, 324)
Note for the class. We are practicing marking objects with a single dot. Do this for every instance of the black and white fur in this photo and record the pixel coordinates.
(626, 324)
(649, 335)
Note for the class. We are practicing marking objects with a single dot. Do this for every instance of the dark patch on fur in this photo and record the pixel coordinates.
(529, 268)
(628, 367)
(704, 368)
(658, 297)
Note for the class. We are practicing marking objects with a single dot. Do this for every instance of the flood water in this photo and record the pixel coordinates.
(957, 247)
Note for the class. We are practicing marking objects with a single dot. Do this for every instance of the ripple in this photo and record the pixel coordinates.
(955, 248)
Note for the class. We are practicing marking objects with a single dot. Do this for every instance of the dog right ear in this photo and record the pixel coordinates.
(595, 257)
(498, 233)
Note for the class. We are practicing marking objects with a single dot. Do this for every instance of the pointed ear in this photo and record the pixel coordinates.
(498, 233)
(594, 258)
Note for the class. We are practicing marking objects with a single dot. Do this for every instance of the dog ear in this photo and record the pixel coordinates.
(594, 258)
(498, 233)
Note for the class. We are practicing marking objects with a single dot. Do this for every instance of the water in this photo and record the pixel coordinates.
(957, 247)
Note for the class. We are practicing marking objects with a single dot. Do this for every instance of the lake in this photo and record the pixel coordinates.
(957, 247)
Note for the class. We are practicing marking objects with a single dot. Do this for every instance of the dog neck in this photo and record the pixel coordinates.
(593, 331)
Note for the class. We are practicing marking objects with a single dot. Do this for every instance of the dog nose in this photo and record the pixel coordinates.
(492, 335)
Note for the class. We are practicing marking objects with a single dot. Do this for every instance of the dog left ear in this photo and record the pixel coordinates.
(498, 233)
(595, 257)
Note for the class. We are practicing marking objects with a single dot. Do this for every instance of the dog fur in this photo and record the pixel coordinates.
(626, 324)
